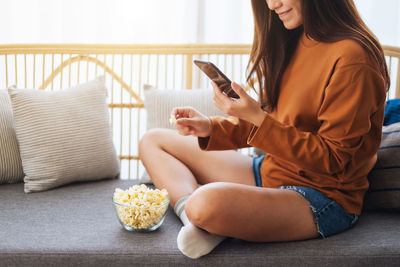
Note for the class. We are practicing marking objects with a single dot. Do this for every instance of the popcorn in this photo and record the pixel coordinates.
(172, 119)
(140, 207)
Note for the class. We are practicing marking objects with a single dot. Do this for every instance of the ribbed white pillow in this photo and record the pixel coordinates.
(64, 136)
(159, 104)
(10, 161)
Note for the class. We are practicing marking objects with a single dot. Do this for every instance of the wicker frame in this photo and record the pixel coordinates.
(126, 69)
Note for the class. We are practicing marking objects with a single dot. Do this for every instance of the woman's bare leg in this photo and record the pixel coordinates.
(251, 213)
(176, 163)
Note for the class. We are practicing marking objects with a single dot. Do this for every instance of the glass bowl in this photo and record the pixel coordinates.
(139, 218)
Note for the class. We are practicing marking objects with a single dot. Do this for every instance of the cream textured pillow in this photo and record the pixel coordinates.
(159, 104)
(64, 136)
(10, 161)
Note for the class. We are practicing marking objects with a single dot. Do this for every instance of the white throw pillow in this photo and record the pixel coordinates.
(10, 161)
(64, 136)
(159, 104)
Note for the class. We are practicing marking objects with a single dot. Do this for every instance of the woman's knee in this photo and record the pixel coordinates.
(202, 206)
(152, 138)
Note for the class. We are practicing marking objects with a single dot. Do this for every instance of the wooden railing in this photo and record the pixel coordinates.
(126, 69)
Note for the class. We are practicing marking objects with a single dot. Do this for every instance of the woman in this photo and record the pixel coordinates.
(323, 82)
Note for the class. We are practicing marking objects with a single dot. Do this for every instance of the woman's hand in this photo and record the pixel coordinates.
(191, 122)
(245, 108)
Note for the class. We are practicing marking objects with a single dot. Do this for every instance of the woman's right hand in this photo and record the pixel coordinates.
(191, 122)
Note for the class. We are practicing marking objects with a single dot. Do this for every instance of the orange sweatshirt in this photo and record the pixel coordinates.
(326, 129)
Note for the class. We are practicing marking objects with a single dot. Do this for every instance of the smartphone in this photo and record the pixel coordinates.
(217, 76)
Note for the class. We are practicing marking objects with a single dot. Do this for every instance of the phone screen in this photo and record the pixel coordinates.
(217, 76)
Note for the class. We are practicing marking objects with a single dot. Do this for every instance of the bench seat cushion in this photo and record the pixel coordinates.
(76, 225)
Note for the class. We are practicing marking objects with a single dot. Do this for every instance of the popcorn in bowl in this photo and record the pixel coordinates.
(140, 208)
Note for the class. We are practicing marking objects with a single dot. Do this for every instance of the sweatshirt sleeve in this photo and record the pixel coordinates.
(353, 95)
(227, 133)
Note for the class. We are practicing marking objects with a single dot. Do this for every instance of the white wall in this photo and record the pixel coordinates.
(156, 21)
(97, 21)
(382, 17)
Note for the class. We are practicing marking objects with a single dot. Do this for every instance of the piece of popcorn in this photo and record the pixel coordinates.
(172, 119)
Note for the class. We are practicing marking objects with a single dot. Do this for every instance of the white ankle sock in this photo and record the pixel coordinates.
(192, 241)
(179, 209)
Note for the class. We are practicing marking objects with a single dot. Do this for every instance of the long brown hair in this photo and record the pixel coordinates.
(323, 20)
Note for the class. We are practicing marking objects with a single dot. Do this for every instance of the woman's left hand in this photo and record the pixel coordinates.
(245, 107)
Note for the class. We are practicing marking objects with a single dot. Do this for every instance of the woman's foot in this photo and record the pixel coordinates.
(194, 242)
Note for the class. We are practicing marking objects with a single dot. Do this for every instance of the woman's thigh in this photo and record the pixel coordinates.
(206, 166)
(252, 213)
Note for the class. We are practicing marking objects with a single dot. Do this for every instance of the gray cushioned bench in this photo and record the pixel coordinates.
(76, 225)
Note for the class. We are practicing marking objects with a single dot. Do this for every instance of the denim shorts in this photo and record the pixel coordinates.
(329, 216)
